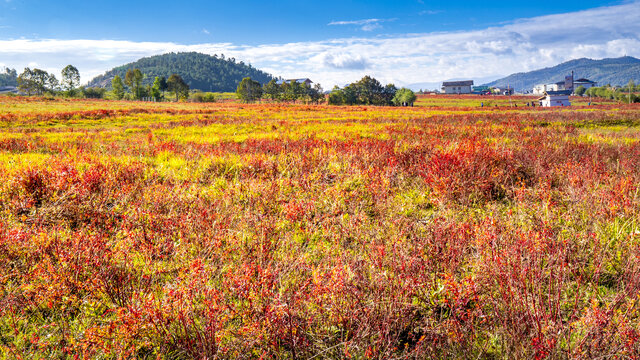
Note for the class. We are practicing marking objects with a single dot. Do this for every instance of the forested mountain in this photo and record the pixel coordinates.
(8, 77)
(617, 71)
(199, 71)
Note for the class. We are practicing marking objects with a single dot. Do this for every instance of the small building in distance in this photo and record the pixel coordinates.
(481, 90)
(543, 88)
(555, 98)
(505, 90)
(299, 81)
(568, 84)
(457, 87)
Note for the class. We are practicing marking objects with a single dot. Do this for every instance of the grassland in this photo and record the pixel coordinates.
(446, 230)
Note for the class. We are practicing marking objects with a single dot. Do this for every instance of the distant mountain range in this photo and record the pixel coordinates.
(200, 71)
(616, 71)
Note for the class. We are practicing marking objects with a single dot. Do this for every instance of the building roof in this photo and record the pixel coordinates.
(560, 92)
(299, 81)
(585, 81)
(458, 83)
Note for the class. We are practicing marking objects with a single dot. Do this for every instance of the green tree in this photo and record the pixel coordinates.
(404, 97)
(272, 90)
(178, 86)
(163, 85)
(133, 79)
(316, 94)
(350, 93)
(369, 90)
(26, 83)
(52, 83)
(156, 88)
(118, 87)
(580, 90)
(70, 79)
(92, 92)
(387, 95)
(249, 90)
(336, 96)
(36, 81)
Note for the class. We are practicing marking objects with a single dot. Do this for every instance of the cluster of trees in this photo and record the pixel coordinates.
(250, 90)
(38, 82)
(623, 94)
(369, 91)
(200, 71)
(133, 80)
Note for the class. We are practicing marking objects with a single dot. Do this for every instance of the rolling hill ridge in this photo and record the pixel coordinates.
(613, 71)
(200, 71)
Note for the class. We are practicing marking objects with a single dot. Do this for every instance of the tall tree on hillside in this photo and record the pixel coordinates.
(118, 87)
(178, 86)
(133, 79)
(70, 78)
(249, 90)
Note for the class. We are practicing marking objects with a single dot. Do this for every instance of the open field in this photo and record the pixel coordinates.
(182, 231)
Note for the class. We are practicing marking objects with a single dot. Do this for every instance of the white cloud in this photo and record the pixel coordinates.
(206, 32)
(430, 12)
(523, 45)
(365, 25)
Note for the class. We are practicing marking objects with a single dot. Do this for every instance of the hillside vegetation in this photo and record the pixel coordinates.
(8, 77)
(617, 71)
(199, 71)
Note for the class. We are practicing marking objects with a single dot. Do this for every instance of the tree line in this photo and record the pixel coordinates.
(40, 82)
(623, 94)
(367, 91)
(133, 80)
(250, 90)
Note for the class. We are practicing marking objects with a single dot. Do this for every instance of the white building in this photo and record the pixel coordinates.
(567, 84)
(457, 87)
(543, 88)
(555, 98)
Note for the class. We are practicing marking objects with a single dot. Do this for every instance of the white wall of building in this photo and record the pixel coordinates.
(457, 89)
(555, 100)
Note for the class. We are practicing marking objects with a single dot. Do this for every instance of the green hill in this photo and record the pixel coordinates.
(617, 71)
(200, 71)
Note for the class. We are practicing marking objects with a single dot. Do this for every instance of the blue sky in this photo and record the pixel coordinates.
(334, 42)
(256, 22)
